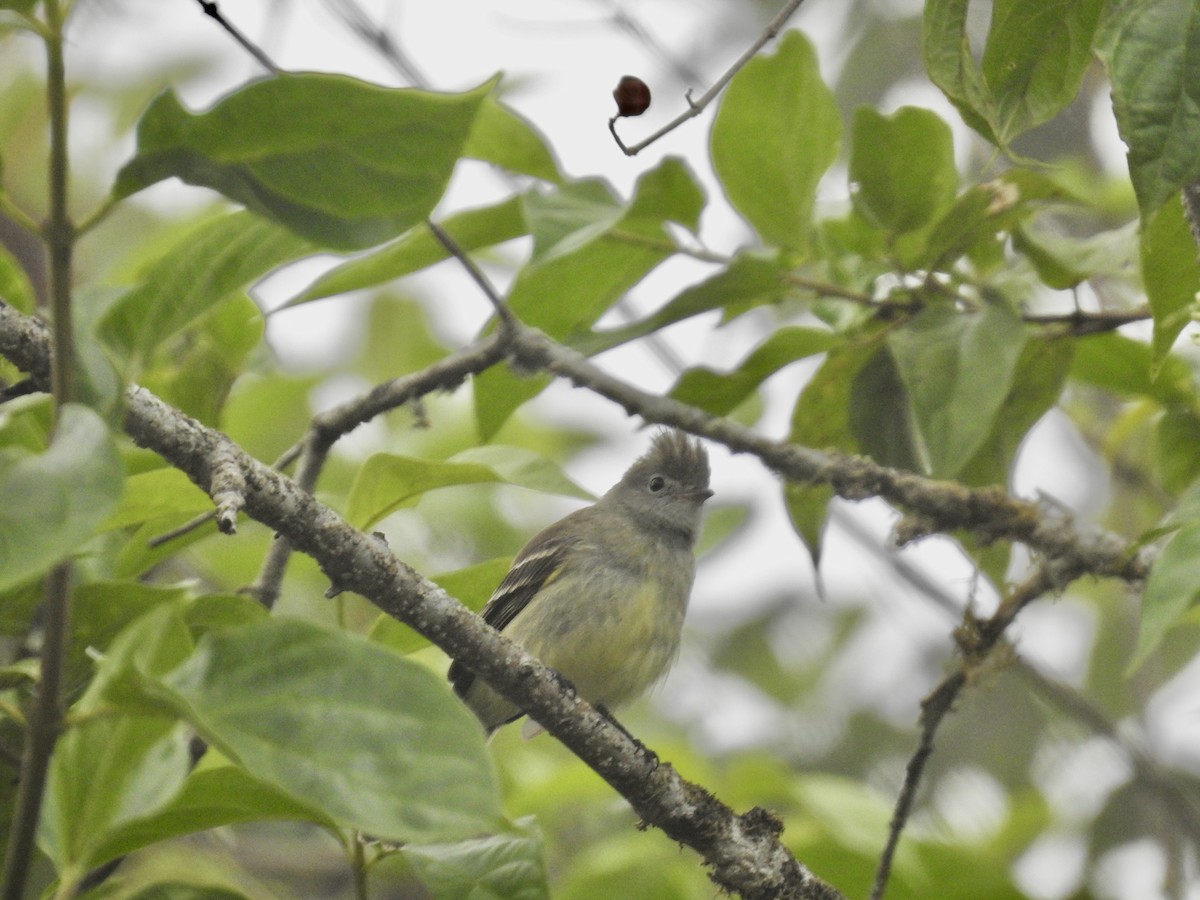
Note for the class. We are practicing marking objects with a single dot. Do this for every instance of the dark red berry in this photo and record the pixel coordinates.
(632, 96)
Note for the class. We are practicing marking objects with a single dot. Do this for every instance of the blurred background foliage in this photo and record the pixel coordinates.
(1063, 774)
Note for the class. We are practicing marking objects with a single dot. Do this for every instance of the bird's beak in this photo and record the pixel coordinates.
(699, 496)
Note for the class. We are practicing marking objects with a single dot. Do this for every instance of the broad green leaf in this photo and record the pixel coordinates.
(568, 218)
(508, 864)
(377, 742)
(263, 411)
(572, 281)
(1176, 439)
(210, 798)
(25, 424)
(102, 609)
(1123, 365)
(881, 415)
(523, 468)
(1064, 262)
(1171, 274)
(219, 259)
(957, 368)
(418, 249)
(976, 216)
(808, 511)
(195, 370)
(502, 137)
(387, 482)
(51, 502)
(344, 163)
(1152, 53)
(587, 255)
(901, 167)
(1041, 372)
(498, 392)
(1033, 63)
(1174, 582)
(718, 393)
(821, 418)
(774, 135)
(154, 494)
(951, 66)
(747, 282)
(15, 289)
(124, 765)
(472, 586)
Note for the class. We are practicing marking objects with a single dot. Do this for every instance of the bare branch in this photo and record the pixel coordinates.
(695, 107)
(213, 11)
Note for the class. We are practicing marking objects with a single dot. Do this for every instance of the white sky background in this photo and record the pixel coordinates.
(561, 59)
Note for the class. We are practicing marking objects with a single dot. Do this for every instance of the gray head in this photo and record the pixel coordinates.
(667, 487)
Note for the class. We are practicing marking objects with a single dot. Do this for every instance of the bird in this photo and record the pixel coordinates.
(600, 595)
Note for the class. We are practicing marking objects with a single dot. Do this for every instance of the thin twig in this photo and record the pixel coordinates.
(376, 37)
(976, 640)
(46, 715)
(507, 321)
(213, 11)
(695, 107)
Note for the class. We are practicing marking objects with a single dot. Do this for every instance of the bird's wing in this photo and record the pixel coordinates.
(536, 565)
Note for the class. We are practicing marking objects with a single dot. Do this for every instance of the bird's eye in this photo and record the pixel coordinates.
(656, 483)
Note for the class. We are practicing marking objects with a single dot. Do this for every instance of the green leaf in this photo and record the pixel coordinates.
(1174, 582)
(579, 270)
(1171, 274)
(808, 510)
(1123, 365)
(822, 418)
(154, 494)
(902, 169)
(957, 369)
(500, 136)
(52, 502)
(15, 288)
(122, 766)
(387, 482)
(719, 393)
(587, 255)
(1036, 54)
(774, 135)
(1064, 262)
(1042, 370)
(377, 742)
(220, 258)
(1177, 437)
(507, 864)
(951, 66)
(1152, 53)
(338, 161)
(210, 798)
(881, 415)
(747, 282)
(418, 249)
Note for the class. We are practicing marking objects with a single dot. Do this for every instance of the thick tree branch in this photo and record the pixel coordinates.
(933, 506)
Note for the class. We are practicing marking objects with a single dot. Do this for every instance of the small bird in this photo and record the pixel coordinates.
(600, 595)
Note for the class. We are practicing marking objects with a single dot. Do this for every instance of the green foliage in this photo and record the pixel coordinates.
(937, 312)
(51, 502)
(773, 138)
(316, 153)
